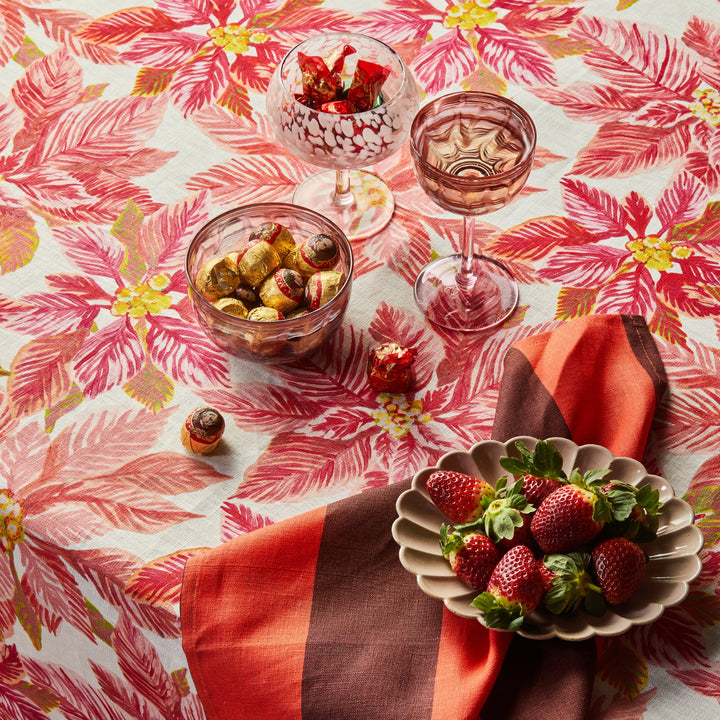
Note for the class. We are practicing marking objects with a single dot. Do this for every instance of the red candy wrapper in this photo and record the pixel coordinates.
(390, 368)
(323, 87)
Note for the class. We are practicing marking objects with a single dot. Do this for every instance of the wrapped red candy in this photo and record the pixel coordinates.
(202, 430)
(323, 87)
(390, 368)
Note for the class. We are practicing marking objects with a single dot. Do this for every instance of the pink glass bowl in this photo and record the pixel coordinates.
(277, 342)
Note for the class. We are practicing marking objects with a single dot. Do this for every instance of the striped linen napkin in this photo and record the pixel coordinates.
(314, 618)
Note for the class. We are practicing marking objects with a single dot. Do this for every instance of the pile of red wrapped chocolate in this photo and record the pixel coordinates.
(323, 87)
(271, 277)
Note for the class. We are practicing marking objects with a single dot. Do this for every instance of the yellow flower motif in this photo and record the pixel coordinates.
(469, 15)
(657, 253)
(236, 38)
(396, 415)
(12, 531)
(140, 300)
(707, 105)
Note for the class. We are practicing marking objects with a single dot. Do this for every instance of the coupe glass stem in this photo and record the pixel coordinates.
(342, 195)
(466, 277)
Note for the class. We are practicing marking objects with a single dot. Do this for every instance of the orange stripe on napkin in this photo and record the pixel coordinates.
(251, 610)
(469, 660)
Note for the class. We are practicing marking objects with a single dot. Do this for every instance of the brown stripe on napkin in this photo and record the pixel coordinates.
(601, 377)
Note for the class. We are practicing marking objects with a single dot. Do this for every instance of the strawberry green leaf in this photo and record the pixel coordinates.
(543, 461)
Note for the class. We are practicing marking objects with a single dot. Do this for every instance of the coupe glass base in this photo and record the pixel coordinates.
(489, 301)
(364, 212)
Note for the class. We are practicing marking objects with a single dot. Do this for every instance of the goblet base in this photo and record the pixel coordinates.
(480, 301)
(360, 213)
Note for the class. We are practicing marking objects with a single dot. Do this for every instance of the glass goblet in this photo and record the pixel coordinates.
(472, 153)
(357, 201)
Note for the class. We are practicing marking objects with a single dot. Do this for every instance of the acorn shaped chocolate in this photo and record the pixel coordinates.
(217, 278)
(276, 235)
(318, 252)
(322, 287)
(256, 260)
(202, 430)
(265, 314)
(232, 306)
(283, 290)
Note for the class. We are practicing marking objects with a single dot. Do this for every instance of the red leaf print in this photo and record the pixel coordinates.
(10, 122)
(121, 694)
(12, 31)
(108, 358)
(141, 162)
(238, 519)
(50, 85)
(631, 292)
(637, 59)
(39, 373)
(60, 313)
(18, 239)
(574, 302)
(160, 581)
(200, 81)
(245, 135)
(538, 20)
(515, 58)
(15, 705)
(683, 200)
(141, 666)
(122, 26)
(236, 99)
(49, 187)
(584, 266)
(399, 26)
(535, 239)
(191, 12)
(591, 103)
(639, 212)
(97, 132)
(443, 62)
(91, 249)
(703, 37)
(694, 421)
(665, 323)
(164, 236)
(164, 51)
(594, 209)
(622, 667)
(295, 467)
(151, 81)
(621, 150)
(53, 586)
(684, 294)
(185, 353)
(255, 178)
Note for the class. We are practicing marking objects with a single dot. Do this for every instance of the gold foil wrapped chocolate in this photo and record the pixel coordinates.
(316, 253)
(202, 430)
(322, 287)
(389, 368)
(276, 235)
(283, 290)
(248, 296)
(265, 314)
(256, 260)
(217, 278)
(232, 306)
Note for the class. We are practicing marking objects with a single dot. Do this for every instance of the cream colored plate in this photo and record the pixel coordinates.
(673, 555)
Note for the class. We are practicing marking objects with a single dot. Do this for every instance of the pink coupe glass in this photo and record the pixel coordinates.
(472, 154)
(357, 201)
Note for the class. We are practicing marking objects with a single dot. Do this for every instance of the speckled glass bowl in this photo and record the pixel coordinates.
(282, 341)
(673, 555)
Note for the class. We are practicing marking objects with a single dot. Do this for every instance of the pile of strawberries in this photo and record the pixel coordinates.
(544, 538)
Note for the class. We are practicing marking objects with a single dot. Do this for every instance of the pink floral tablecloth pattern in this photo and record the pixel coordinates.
(123, 128)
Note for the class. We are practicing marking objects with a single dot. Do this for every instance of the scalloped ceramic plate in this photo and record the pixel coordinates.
(673, 555)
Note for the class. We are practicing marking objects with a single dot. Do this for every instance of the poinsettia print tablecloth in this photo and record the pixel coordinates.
(123, 128)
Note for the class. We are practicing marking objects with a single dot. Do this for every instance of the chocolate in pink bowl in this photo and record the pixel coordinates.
(280, 341)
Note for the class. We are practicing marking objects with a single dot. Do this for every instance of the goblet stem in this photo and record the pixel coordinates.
(342, 195)
(466, 277)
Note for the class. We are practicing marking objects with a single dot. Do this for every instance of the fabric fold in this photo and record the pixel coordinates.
(315, 617)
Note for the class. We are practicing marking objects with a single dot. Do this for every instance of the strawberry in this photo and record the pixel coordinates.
(573, 514)
(471, 554)
(514, 590)
(636, 511)
(619, 566)
(568, 583)
(459, 496)
(540, 470)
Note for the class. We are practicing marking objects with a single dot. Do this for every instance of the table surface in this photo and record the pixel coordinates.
(123, 129)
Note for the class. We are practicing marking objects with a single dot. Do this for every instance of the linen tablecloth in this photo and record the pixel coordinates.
(124, 127)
